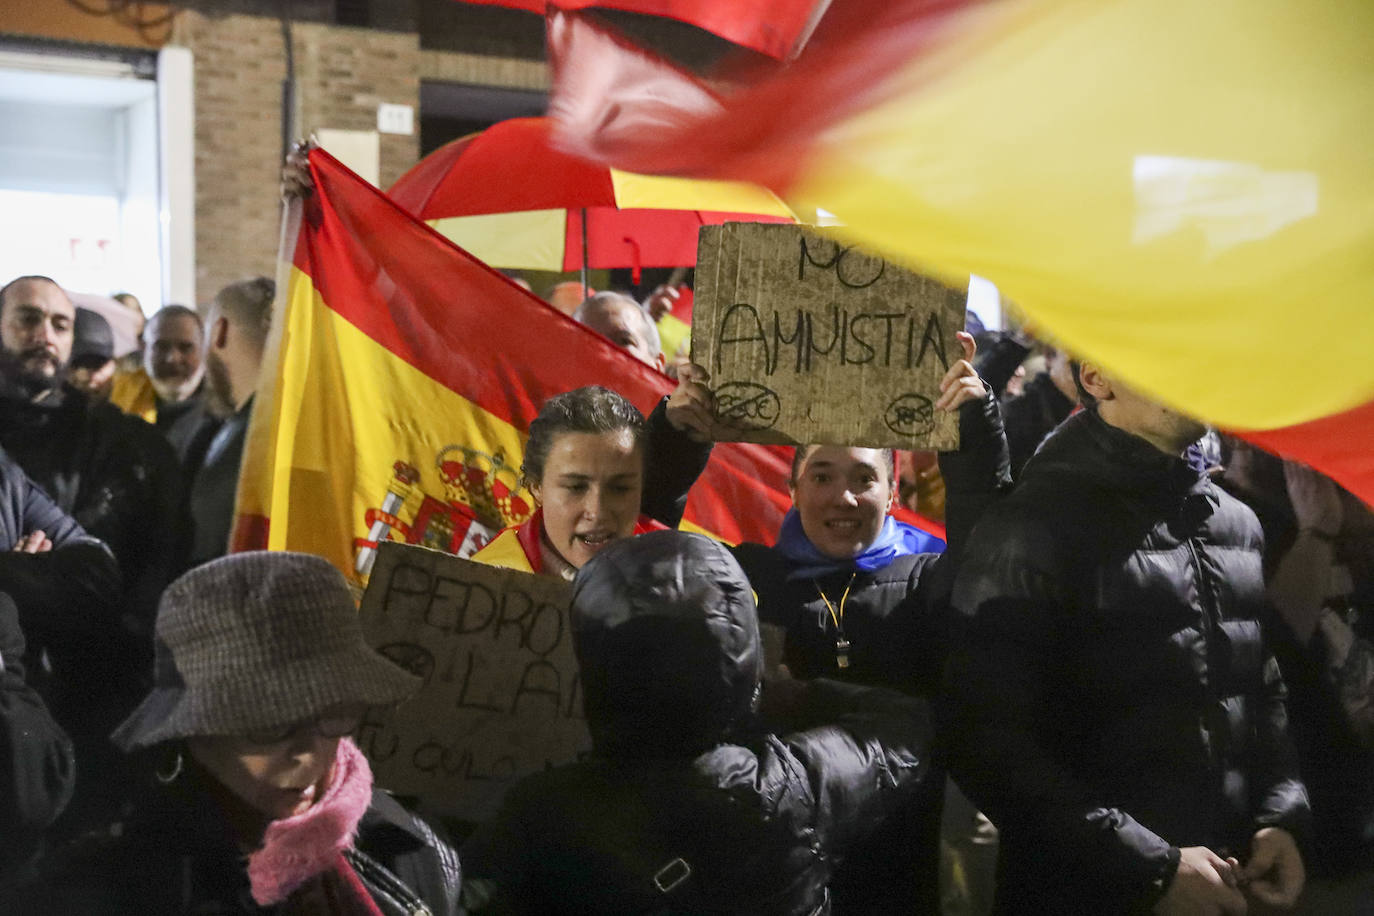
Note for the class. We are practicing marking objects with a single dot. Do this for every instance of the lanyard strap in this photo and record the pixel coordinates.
(837, 617)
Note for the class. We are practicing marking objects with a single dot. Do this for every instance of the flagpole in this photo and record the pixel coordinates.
(585, 287)
(256, 446)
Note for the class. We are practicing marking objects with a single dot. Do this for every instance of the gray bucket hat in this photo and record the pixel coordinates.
(258, 641)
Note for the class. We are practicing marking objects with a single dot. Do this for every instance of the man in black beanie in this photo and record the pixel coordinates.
(687, 803)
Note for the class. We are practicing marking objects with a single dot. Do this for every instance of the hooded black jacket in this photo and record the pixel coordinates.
(1112, 697)
(683, 806)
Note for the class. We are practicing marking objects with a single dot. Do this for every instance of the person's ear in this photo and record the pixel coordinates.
(219, 333)
(536, 492)
(1095, 381)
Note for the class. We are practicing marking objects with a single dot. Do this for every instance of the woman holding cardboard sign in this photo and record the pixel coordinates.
(842, 565)
(585, 466)
(859, 599)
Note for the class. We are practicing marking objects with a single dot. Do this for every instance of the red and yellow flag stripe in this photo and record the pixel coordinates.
(399, 385)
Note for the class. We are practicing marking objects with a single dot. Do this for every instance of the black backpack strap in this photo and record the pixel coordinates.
(389, 892)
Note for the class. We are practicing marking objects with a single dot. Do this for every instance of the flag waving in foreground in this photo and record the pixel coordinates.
(404, 375)
(1181, 191)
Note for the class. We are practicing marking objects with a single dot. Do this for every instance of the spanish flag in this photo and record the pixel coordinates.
(399, 383)
(1182, 191)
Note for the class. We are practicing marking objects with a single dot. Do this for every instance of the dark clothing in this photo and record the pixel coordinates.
(115, 476)
(665, 621)
(187, 426)
(178, 853)
(1112, 697)
(1331, 690)
(676, 461)
(214, 487)
(76, 644)
(999, 355)
(1030, 418)
(90, 640)
(36, 761)
(892, 616)
(687, 805)
(63, 594)
(751, 828)
(895, 621)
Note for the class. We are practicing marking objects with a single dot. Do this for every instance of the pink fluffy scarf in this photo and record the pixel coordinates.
(296, 849)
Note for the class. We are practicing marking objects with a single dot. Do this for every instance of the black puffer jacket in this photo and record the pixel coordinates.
(681, 809)
(116, 476)
(1112, 695)
(1030, 416)
(894, 615)
(895, 620)
(85, 658)
(63, 594)
(176, 855)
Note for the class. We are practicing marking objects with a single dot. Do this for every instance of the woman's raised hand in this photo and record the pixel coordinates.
(961, 383)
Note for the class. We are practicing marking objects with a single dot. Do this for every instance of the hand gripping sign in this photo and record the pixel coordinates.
(808, 340)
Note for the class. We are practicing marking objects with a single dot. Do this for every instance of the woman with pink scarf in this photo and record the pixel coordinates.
(259, 803)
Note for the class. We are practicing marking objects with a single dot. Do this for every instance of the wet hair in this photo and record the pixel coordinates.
(27, 278)
(248, 306)
(799, 458)
(591, 409)
(648, 330)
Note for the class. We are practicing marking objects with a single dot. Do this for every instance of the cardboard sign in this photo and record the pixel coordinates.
(501, 696)
(808, 340)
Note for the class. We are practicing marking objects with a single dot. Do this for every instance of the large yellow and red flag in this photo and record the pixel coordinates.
(1182, 191)
(400, 382)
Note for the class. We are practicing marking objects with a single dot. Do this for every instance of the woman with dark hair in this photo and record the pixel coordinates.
(257, 801)
(584, 466)
(861, 598)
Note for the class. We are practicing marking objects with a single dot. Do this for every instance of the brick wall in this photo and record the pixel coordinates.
(239, 70)
(342, 75)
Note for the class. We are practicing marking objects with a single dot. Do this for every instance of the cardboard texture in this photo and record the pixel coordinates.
(501, 697)
(808, 340)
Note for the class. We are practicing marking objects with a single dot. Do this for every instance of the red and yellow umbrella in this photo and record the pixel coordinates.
(509, 197)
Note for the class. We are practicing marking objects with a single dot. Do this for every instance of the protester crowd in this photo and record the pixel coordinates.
(1143, 651)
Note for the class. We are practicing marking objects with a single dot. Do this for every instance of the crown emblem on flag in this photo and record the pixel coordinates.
(488, 484)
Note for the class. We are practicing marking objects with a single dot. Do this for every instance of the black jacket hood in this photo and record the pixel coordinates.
(667, 640)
